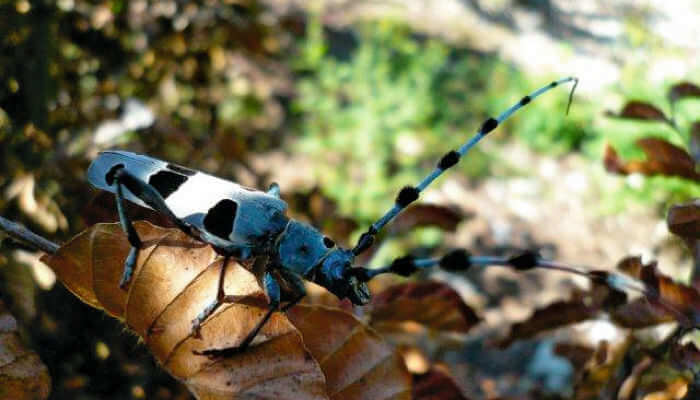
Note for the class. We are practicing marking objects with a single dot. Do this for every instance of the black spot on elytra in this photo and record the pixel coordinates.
(109, 176)
(166, 182)
(328, 242)
(219, 219)
(181, 170)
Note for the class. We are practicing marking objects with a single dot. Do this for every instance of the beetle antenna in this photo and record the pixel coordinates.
(409, 194)
(460, 260)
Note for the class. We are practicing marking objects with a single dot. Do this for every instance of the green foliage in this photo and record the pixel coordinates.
(396, 104)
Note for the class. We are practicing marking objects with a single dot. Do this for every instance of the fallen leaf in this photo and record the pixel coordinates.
(664, 301)
(22, 374)
(436, 385)
(552, 316)
(357, 363)
(434, 305)
(175, 278)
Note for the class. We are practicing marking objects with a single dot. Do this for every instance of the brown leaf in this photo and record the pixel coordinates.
(684, 219)
(663, 158)
(552, 316)
(445, 218)
(665, 301)
(640, 313)
(612, 161)
(639, 110)
(435, 385)
(357, 363)
(22, 374)
(175, 278)
(682, 90)
(432, 304)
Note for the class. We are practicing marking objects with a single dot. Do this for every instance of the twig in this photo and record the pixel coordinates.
(17, 231)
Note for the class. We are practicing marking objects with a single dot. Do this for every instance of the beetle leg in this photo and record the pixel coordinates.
(225, 247)
(221, 297)
(272, 288)
(150, 196)
(297, 286)
(131, 235)
(214, 305)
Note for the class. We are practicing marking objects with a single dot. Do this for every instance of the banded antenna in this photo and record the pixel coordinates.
(409, 194)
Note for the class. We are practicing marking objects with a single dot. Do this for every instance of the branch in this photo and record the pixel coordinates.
(23, 234)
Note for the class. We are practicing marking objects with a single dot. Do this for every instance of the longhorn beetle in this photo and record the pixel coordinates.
(244, 223)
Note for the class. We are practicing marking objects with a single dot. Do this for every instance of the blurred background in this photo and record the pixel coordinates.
(343, 103)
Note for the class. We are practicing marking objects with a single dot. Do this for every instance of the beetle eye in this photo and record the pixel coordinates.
(328, 242)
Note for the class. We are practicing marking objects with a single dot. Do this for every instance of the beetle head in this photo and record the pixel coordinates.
(304, 250)
(335, 274)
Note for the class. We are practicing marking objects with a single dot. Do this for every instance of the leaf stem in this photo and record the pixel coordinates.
(17, 231)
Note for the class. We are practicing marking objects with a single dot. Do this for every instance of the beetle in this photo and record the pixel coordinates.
(246, 223)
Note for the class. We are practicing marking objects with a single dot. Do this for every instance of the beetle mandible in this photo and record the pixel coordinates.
(243, 223)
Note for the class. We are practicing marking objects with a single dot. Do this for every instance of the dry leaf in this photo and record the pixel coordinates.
(358, 364)
(663, 158)
(550, 317)
(682, 90)
(22, 374)
(640, 110)
(436, 385)
(684, 219)
(175, 278)
(665, 301)
(434, 305)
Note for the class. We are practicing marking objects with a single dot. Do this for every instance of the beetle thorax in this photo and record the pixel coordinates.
(300, 247)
